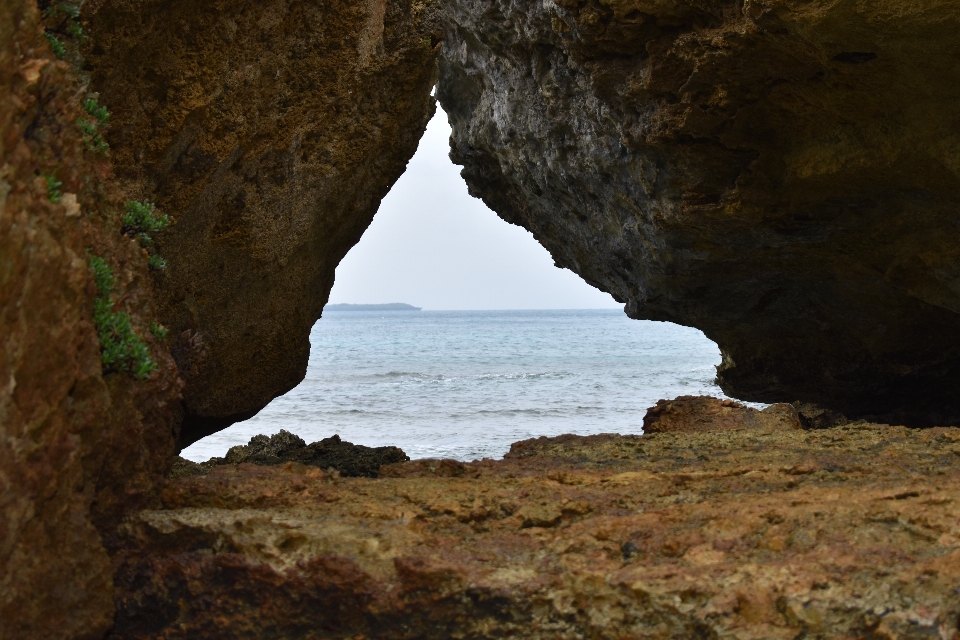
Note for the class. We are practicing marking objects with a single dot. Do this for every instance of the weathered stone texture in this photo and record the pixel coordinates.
(742, 532)
(313, 112)
(269, 132)
(782, 174)
(330, 454)
(76, 448)
(703, 413)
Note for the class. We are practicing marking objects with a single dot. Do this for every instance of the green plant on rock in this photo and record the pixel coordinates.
(159, 331)
(76, 31)
(92, 129)
(53, 188)
(56, 45)
(61, 19)
(92, 137)
(121, 349)
(98, 111)
(142, 218)
(71, 11)
(157, 263)
(67, 14)
(102, 276)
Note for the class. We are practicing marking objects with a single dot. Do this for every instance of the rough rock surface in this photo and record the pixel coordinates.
(269, 132)
(779, 173)
(750, 532)
(77, 448)
(330, 454)
(703, 413)
(782, 174)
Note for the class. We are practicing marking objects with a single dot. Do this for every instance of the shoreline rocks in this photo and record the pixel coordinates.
(735, 528)
(347, 459)
(686, 414)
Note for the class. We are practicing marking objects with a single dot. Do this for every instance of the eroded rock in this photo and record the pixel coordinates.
(702, 413)
(77, 448)
(777, 173)
(330, 454)
(268, 132)
(738, 533)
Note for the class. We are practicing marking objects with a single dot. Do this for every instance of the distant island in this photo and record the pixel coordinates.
(391, 306)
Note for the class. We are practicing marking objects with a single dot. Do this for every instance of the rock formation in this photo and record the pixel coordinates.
(268, 132)
(77, 447)
(781, 174)
(269, 179)
(703, 413)
(330, 454)
(754, 530)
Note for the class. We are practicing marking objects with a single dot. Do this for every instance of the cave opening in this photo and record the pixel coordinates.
(506, 345)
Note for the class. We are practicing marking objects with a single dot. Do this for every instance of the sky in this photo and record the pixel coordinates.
(434, 246)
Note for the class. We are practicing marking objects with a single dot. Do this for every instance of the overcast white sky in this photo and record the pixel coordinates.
(434, 246)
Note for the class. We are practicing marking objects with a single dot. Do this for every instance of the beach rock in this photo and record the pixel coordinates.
(330, 454)
(814, 417)
(703, 413)
(734, 533)
(266, 449)
(777, 173)
(268, 132)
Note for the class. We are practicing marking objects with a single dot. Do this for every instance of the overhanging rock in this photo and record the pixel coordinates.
(782, 175)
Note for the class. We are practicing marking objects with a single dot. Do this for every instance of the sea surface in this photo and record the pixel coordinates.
(466, 384)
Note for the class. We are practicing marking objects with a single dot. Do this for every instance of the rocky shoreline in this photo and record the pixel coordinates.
(715, 524)
(347, 459)
(781, 174)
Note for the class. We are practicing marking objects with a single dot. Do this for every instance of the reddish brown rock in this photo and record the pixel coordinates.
(303, 158)
(703, 413)
(77, 448)
(737, 533)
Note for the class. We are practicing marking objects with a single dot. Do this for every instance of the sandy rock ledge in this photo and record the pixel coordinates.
(762, 531)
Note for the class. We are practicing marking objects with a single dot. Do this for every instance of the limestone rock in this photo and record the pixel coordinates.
(268, 132)
(778, 173)
(330, 454)
(740, 533)
(703, 413)
(77, 448)
(814, 417)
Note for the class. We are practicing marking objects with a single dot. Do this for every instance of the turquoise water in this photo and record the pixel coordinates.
(465, 384)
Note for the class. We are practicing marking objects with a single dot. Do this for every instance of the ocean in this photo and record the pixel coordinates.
(466, 384)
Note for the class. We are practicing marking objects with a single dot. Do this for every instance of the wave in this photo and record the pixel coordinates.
(512, 412)
(417, 376)
(401, 374)
(552, 375)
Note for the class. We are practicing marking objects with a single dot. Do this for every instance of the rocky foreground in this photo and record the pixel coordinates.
(722, 522)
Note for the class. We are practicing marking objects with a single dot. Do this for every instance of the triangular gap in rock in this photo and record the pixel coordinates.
(507, 346)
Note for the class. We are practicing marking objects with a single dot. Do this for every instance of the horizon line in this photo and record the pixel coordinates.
(485, 309)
